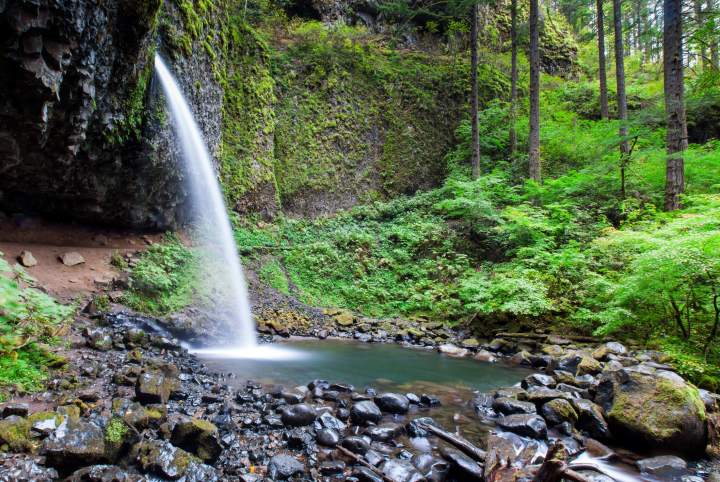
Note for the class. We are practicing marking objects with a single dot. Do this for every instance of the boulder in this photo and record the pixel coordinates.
(400, 470)
(591, 418)
(393, 403)
(538, 380)
(19, 409)
(527, 425)
(510, 406)
(199, 437)
(332, 467)
(327, 437)
(665, 466)
(610, 348)
(74, 444)
(355, 444)
(659, 412)
(485, 356)
(157, 385)
(15, 432)
(27, 259)
(452, 350)
(298, 415)
(162, 458)
(71, 258)
(462, 467)
(588, 366)
(365, 411)
(559, 411)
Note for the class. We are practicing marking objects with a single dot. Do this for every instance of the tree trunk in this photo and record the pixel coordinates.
(714, 56)
(674, 104)
(702, 60)
(513, 76)
(604, 111)
(534, 151)
(620, 76)
(474, 90)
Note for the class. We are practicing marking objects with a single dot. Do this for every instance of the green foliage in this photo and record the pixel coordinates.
(271, 273)
(29, 319)
(164, 278)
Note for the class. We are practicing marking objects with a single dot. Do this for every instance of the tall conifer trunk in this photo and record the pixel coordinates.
(534, 141)
(604, 111)
(620, 75)
(474, 90)
(513, 76)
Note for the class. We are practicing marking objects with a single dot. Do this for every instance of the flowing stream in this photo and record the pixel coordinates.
(209, 209)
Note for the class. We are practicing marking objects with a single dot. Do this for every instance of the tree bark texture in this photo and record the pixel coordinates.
(474, 90)
(534, 141)
(602, 72)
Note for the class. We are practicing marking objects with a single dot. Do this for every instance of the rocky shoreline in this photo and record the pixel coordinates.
(133, 405)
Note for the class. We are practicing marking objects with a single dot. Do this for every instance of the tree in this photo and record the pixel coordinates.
(534, 141)
(604, 111)
(513, 75)
(474, 89)
(674, 103)
(620, 78)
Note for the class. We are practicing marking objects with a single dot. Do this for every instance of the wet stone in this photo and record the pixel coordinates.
(298, 415)
(666, 466)
(509, 406)
(355, 444)
(365, 411)
(527, 425)
(74, 444)
(282, 467)
(327, 437)
(363, 474)
(400, 470)
(393, 403)
(199, 437)
(462, 466)
(332, 467)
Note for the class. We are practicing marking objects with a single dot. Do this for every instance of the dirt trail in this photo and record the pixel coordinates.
(48, 241)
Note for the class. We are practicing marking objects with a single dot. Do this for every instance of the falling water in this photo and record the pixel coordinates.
(209, 207)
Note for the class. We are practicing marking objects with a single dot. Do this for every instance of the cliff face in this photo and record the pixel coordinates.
(305, 119)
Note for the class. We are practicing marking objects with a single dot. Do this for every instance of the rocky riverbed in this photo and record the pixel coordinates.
(133, 405)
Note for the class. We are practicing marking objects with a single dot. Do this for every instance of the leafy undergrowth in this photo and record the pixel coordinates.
(164, 279)
(30, 321)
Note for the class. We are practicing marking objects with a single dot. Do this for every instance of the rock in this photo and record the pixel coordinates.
(199, 437)
(298, 415)
(528, 425)
(43, 424)
(326, 420)
(19, 409)
(355, 444)
(327, 437)
(507, 448)
(558, 411)
(470, 343)
(384, 432)
(157, 385)
(590, 418)
(463, 467)
(510, 406)
(485, 356)
(400, 470)
(434, 469)
(343, 318)
(364, 474)
(665, 466)
(22, 468)
(658, 412)
(540, 396)
(610, 348)
(162, 458)
(521, 358)
(27, 259)
(365, 411)
(71, 258)
(501, 345)
(538, 380)
(588, 366)
(99, 339)
(15, 433)
(452, 350)
(553, 350)
(429, 400)
(332, 467)
(393, 403)
(74, 444)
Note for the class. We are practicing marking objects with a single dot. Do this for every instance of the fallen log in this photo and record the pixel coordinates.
(457, 441)
(555, 468)
(540, 336)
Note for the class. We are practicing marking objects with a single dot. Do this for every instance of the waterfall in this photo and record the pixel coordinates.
(225, 271)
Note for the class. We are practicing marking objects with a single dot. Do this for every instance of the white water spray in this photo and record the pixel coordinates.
(209, 207)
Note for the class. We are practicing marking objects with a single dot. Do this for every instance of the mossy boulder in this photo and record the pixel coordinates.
(15, 434)
(163, 458)
(78, 443)
(558, 411)
(199, 437)
(157, 384)
(588, 366)
(655, 411)
(342, 317)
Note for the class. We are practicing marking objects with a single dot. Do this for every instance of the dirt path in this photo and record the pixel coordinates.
(48, 241)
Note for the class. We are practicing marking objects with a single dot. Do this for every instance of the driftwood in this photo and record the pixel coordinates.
(360, 461)
(555, 468)
(466, 447)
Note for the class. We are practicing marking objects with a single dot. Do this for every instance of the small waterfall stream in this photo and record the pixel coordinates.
(209, 209)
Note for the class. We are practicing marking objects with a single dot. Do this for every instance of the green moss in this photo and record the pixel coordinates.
(116, 430)
(272, 273)
(15, 434)
(653, 410)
